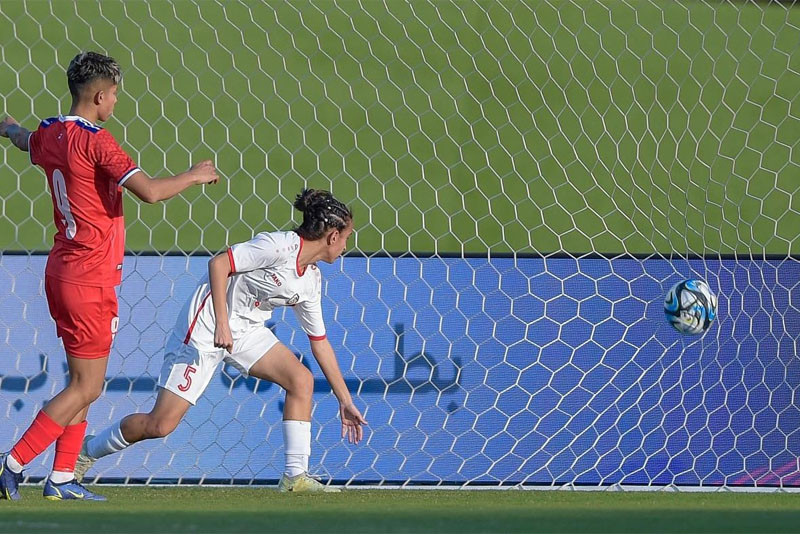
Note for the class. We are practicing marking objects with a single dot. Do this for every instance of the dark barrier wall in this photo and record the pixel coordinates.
(492, 371)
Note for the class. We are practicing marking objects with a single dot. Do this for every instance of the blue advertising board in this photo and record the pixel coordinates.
(492, 371)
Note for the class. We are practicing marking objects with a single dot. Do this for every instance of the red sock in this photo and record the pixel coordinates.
(68, 446)
(42, 432)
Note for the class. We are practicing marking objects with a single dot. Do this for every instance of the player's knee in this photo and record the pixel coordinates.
(159, 427)
(302, 382)
(93, 394)
(164, 428)
(86, 392)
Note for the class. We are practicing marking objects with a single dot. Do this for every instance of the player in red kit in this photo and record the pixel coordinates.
(86, 170)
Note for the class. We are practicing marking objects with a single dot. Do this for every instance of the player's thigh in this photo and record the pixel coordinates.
(186, 372)
(264, 357)
(86, 317)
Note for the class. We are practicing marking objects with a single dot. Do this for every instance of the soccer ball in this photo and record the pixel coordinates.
(690, 307)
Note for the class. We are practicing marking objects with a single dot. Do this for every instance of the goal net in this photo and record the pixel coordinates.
(528, 179)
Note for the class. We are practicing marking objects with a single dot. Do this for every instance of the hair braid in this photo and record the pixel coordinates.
(321, 212)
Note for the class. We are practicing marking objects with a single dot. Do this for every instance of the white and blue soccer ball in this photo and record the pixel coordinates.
(690, 307)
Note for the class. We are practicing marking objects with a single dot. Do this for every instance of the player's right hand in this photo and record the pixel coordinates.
(223, 338)
(8, 121)
(205, 172)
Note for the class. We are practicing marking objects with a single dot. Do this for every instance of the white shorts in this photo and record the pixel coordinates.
(187, 371)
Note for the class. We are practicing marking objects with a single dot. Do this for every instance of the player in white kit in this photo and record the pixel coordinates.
(224, 320)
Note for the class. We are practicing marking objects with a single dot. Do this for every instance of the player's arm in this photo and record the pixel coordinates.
(352, 420)
(19, 136)
(153, 190)
(219, 268)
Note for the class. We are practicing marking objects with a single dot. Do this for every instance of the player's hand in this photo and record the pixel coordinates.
(352, 422)
(223, 338)
(8, 121)
(204, 172)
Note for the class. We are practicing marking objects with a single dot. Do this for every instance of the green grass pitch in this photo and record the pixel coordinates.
(601, 126)
(184, 510)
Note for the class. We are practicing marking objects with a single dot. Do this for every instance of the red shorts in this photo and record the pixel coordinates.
(86, 317)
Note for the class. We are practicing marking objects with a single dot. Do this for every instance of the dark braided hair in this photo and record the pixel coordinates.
(320, 213)
(87, 67)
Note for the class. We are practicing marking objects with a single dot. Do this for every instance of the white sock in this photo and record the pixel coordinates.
(13, 465)
(59, 477)
(107, 442)
(296, 446)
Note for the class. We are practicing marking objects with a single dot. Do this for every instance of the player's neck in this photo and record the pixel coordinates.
(311, 252)
(84, 110)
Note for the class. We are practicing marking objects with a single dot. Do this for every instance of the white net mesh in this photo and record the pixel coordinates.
(528, 179)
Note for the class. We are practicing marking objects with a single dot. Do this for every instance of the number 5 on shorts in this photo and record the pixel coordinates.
(188, 376)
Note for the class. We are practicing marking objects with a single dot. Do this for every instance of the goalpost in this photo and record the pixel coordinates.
(528, 179)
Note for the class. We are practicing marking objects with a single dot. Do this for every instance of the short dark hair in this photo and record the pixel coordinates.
(87, 67)
(320, 212)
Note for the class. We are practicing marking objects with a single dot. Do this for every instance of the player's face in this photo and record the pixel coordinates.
(107, 97)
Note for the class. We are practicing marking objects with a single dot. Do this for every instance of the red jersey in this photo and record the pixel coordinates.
(85, 169)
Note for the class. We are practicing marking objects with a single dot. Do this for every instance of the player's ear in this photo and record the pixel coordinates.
(333, 236)
(99, 97)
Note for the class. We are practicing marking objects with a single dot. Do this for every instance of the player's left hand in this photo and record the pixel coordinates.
(7, 121)
(352, 422)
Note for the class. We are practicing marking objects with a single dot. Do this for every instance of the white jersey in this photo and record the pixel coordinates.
(265, 274)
